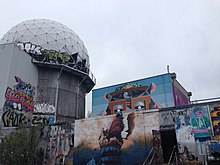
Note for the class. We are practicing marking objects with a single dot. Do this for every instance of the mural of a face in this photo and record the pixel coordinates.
(129, 91)
(182, 119)
(198, 112)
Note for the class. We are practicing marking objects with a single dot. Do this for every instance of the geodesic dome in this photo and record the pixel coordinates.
(49, 41)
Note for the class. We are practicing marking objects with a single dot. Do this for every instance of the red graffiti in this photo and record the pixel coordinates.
(18, 96)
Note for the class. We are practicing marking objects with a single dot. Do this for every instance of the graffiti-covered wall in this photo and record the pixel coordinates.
(57, 142)
(19, 104)
(52, 84)
(115, 138)
(15, 62)
(20, 109)
(195, 126)
(150, 93)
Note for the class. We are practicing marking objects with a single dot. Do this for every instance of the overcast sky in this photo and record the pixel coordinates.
(133, 39)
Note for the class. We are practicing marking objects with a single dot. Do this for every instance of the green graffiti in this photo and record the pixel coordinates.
(53, 55)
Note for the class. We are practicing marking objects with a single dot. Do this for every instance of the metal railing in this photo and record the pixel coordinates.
(150, 157)
(173, 157)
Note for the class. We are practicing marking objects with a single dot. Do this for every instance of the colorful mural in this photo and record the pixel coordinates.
(213, 150)
(149, 93)
(215, 117)
(19, 104)
(20, 109)
(185, 135)
(201, 123)
(131, 96)
(202, 129)
(115, 139)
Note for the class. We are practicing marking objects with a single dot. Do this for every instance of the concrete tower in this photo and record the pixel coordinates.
(44, 68)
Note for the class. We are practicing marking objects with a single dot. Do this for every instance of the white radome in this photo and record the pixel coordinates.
(48, 34)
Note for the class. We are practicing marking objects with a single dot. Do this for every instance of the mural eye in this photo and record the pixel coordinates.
(118, 108)
(140, 107)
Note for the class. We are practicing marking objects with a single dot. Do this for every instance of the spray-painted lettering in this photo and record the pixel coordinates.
(44, 108)
(54, 56)
(19, 104)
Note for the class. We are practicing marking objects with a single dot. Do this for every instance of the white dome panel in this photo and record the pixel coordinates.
(49, 35)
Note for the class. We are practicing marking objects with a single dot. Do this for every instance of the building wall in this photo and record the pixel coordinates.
(15, 62)
(194, 126)
(180, 94)
(112, 137)
(18, 89)
(159, 88)
(28, 87)
(62, 90)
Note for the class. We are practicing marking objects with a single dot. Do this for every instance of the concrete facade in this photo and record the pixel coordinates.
(26, 80)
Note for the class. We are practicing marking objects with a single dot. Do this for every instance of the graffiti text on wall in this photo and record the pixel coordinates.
(59, 140)
(19, 97)
(39, 119)
(53, 56)
(44, 108)
(19, 104)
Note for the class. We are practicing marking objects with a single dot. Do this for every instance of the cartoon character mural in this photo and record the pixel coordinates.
(184, 134)
(201, 128)
(136, 97)
(19, 104)
(201, 124)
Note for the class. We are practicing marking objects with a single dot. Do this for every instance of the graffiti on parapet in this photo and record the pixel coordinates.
(19, 104)
(30, 48)
(54, 56)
